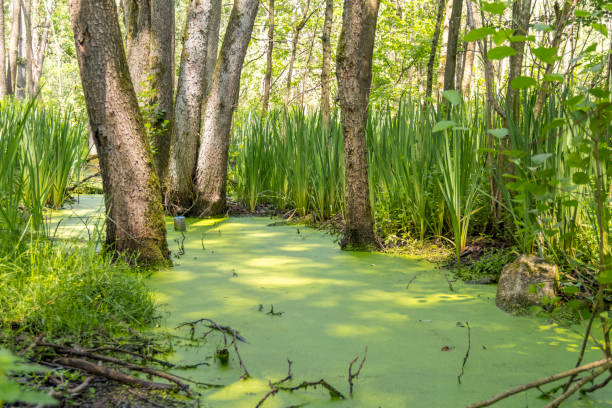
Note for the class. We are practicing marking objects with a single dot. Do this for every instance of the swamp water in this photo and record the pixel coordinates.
(333, 305)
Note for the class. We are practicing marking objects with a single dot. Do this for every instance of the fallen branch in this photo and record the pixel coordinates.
(467, 353)
(85, 180)
(101, 371)
(515, 390)
(100, 357)
(351, 375)
(557, 401)
(274, 385)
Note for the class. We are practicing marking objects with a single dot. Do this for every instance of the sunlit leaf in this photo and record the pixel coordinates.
(452, 96)
(498, 53)
(496, 7)
(546, 54)
(443, 125)
(478, 34)
(523, 82)
(498, 133)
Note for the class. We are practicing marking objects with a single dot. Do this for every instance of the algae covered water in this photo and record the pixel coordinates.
(328, 306)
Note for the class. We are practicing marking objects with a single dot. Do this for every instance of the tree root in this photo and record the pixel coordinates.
(467, 353)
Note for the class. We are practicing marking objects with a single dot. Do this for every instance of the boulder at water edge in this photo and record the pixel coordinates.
(513, 291)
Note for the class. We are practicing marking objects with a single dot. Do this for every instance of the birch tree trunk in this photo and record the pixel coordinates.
(135, 223)
(192, 86)
(451, 49)
(434, 47)
(354, 73)
(14, 45)
(269, 49)
(3, 73)
(20, 82)
(26, 7)
(326, 60)
(211, 171)
(150, 55)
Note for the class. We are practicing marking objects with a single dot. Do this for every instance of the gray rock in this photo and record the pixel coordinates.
(513, 291)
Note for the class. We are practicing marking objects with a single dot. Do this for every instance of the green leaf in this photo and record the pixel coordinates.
(554, 78)
(523, 82)
(573, 101)
(443, 125)
(522, 38)
(539, 159)
(582, 13)
(498, 53)
(452, 96)
(498, 133)
(599, 93)
(502, 35)
(546, 54)
(533, 289)
(478, 34)
(570, 290)
(608, 7)
(601, 28)
(580, 178)
(495, 7)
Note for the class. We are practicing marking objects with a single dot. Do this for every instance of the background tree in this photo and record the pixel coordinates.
(269, 49)
(135, 223)
(3, 76)
(326, 60)
(201, 28)
(452, 42)
(354, 73)
(150, 54)
(211, 171)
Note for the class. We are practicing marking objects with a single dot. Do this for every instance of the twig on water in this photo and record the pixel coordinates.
(351, 375)
(273, 313)
(467, 353)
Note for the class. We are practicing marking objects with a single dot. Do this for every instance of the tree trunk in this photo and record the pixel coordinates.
(469, 69)
(192, 86)
(269, 49)
(40, 42)
(326, 60)
(3, 76)
(14, 46)
(135, 223)
(434, 47)
(294, 43)
(354, 73)
(211, 171)
(213, 42)
(20, 84)
(150, 54)
(451, 49)
(26, 7)
(520, 24)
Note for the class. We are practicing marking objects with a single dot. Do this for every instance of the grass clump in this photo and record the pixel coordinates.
(70, 290)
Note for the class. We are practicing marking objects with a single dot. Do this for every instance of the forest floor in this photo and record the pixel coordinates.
(291, 294)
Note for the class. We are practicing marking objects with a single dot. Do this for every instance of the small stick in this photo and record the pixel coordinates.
(584, 344)
(245, 374)
(351, 375)
(467, 353)
(600, 385)
(607, 362)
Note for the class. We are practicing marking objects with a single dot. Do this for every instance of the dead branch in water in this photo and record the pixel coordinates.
(606, 363)
(351, 375)
(225, 331)
(277, 386)
(467, 353)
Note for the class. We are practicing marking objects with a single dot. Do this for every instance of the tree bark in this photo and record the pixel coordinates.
(269, 49)
(294, 43)
(434, 47)
(40, 42)
(211, 171)
(520, 24)
(469, 69)
(3, 73)
(192, 86)
(135, 223)
(354, 73)
(326, 60)
(14, 46)
(451, 49)
(20, 82)
(150, 55)
(26, 7)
